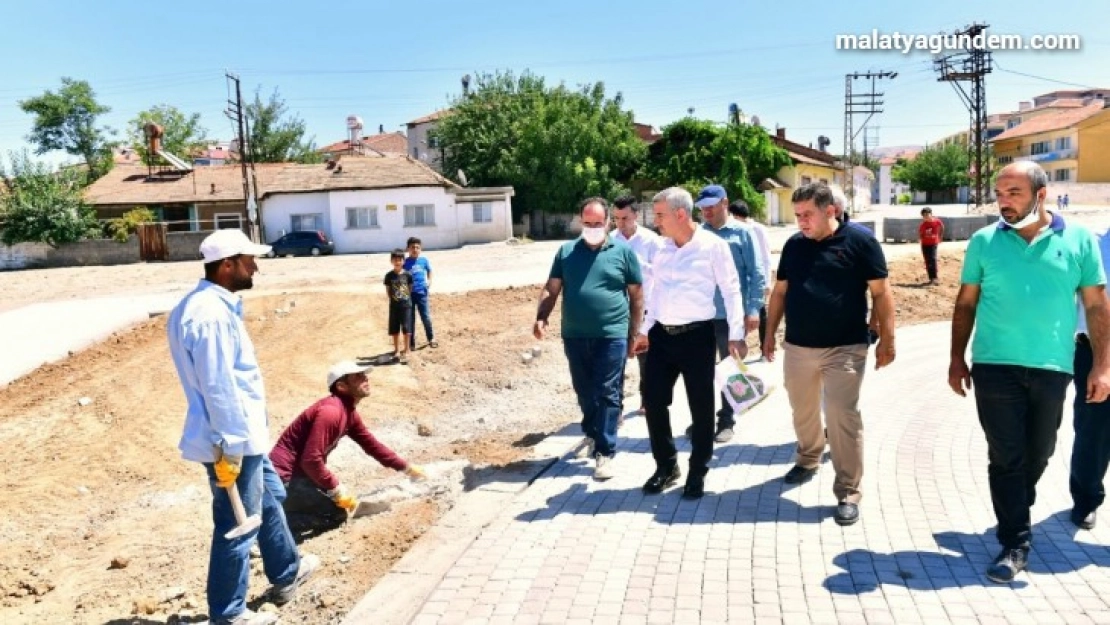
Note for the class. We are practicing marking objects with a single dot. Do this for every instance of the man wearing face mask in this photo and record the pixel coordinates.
(602, 309)
(1031, 260)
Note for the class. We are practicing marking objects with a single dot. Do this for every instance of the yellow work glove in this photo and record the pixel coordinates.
(416, 473)
(227, 469)
(343, 499)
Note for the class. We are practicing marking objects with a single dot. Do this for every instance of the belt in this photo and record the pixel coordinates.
(1083, 339)
(682, 329)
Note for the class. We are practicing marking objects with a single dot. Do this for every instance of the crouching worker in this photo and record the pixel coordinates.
(301, 453)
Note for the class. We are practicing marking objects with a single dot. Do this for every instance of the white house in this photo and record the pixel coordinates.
(374, 204)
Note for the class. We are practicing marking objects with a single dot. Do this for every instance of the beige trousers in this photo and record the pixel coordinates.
(834, 375)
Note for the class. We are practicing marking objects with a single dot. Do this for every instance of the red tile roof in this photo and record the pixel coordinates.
(1047, 122)
(430, 118)
(385, 143)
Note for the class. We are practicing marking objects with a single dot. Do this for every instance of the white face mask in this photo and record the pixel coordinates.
(593, 236)
(1029, 219)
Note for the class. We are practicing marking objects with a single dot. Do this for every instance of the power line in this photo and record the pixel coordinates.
(1059, 82)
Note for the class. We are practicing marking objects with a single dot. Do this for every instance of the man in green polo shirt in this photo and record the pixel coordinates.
(1019, 284)
(602, 308)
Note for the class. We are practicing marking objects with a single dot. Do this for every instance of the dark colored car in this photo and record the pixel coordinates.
(303, 242)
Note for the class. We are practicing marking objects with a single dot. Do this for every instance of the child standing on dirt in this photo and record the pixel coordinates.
(930, 231)
(421, 271)
(398, 287)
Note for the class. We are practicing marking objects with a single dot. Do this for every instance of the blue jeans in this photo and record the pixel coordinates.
(1020, 409)
(597, 374)
(420, 305)
(1090, 454)
(229, 561)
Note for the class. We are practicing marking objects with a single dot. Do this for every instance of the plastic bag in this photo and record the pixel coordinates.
(742, 388)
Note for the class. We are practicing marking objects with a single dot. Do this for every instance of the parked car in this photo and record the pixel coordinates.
(310, 242)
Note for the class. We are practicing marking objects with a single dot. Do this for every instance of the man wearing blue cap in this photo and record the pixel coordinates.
(713, 202)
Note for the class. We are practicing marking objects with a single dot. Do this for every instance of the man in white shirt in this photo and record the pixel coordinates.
(740, 211)
(678, 326)
(645, 244)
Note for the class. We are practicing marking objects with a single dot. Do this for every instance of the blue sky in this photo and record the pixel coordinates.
(392, 62)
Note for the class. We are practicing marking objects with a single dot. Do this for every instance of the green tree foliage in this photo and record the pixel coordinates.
(125, 225)
(40, 205)
(553, 145)
(934, 169)
(67, 120)
(182, 135)
(275, 136)
(693, 153)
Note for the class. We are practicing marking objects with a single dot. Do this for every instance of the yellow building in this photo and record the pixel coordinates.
(806, 165)
(1071, 140)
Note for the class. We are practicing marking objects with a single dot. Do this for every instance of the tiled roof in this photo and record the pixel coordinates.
(431, 118)
(1047, 122)
(355, 172)
(386, 143)
(803, 154)
(129, 184)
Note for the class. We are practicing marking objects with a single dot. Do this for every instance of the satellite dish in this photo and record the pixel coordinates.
(462, 178)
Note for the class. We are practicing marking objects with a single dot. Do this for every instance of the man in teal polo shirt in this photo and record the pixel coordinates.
(602, 308)
(1019, 284)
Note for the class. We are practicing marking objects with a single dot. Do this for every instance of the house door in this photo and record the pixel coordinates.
(152, 242)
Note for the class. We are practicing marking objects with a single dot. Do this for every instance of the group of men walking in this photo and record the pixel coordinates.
(680, 300)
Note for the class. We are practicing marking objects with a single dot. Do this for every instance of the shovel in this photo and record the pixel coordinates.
(246, 523)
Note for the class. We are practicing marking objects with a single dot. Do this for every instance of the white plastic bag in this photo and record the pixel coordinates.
(742, 387)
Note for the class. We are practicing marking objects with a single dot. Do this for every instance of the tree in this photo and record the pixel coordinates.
(275, 137)
(938, 168)
(40, 205)
(182, 135)
(554, 145)
(693, 153)
(66, 120)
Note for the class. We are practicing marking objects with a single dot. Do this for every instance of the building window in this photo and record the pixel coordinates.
(1063, 143)
(228, 220)
(483, 212)
(362, 217)
(806, 180)
(314, 221)
(420, 215)
(416, 152)
(433, 141)
(1040, 147)
(1061, 175)
(1005, 160)
(823, 181)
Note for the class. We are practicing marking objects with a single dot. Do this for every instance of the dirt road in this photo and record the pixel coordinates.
(103, 522)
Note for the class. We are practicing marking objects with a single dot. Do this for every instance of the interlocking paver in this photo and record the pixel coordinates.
(757, 550)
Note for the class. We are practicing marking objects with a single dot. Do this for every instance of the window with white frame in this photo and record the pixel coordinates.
(228, 220)
(483, 212)
(420, 215)
(1061, 175)
(1040, 147)
(1063, 143)
(362, 217)
(806, 180)
(312, 221)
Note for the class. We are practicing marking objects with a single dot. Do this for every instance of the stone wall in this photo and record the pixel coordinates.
(180, 246)
(1097, 193)
(959, 228)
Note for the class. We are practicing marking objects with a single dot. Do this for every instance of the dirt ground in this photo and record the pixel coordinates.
(104, 523)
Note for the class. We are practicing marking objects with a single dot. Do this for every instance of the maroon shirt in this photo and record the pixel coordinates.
(304, 446)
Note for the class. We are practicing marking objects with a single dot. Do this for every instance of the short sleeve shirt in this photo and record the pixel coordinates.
(595, 288)
(400, 288)
(419, 267)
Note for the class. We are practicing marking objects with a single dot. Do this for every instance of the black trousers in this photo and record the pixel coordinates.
(1020, 409)
(690, 354)
(930, 254)
(1090, 454)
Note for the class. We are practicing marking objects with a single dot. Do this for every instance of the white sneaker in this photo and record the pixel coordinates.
(281, 595)
(246, 617)
(586, 450)
(604, 468)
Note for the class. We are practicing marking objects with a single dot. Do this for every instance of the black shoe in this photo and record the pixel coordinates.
(1085, 522)
(799, 475)
(695, 487)
(661, 480)
(724, 435)
(1008, 564)
(847, 513)
(690, 431)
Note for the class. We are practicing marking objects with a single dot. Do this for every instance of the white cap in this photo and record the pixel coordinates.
(230, 242)
(347, 367)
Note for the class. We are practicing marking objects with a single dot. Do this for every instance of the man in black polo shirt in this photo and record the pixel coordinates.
(824, 275)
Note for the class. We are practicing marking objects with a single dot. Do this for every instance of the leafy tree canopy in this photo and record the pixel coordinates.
(182, 135)
(276, 136)
(553, 145)
(934, 169)
(40, 205)
(693, 153)
(67, 120)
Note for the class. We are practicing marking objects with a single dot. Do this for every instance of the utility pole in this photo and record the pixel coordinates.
(858, 103)
(235, 113)
(972, 65)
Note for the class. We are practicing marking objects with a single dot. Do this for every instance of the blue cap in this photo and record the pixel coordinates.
(711, 196)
